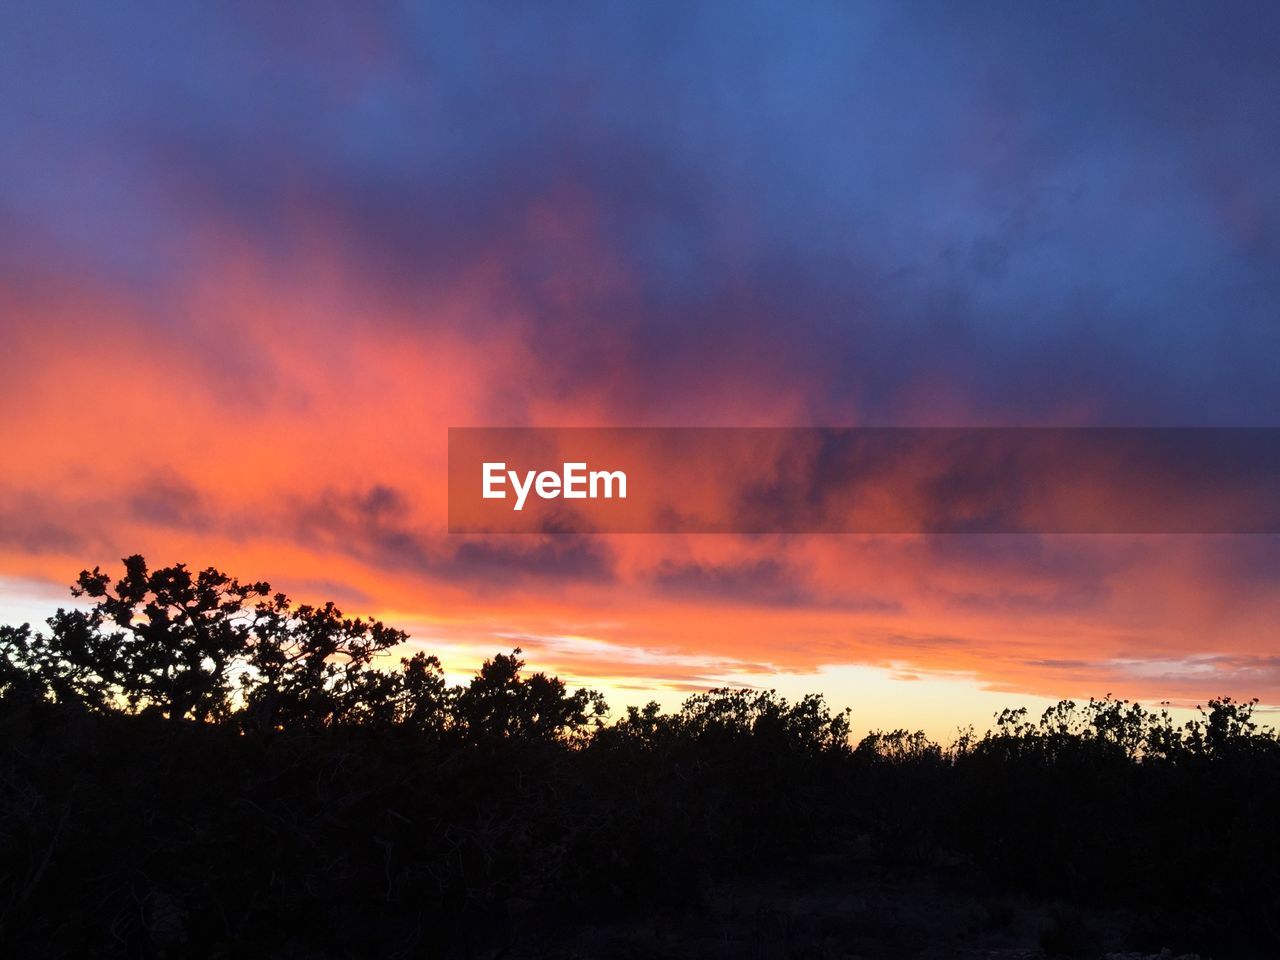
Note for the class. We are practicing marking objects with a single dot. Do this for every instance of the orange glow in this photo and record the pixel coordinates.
(297, 432)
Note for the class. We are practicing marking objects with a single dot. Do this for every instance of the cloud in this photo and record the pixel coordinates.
(759, 582)
(376, 526)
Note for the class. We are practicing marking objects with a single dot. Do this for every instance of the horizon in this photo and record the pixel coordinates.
(941, 707)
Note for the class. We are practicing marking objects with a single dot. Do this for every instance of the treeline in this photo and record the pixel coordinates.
(192, 765)
(207, 648)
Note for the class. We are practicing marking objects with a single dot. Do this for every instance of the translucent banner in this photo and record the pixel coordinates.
(864, 480)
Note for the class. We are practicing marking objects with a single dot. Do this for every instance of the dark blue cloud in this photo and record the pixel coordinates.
(375, 525)
(1051, 212)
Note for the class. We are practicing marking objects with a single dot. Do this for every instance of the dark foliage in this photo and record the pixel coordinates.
(194, 766)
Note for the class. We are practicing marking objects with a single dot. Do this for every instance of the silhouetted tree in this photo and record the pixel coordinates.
(499, 702)
(421, 700)
(898, 747)
(164, 640)
(205, 647)
(311, 666)
(738, 715)
(22, 656)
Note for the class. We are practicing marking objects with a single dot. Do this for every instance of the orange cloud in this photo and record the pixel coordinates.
(297, 431)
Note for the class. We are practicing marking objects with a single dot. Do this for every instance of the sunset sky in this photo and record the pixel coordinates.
(256, 259)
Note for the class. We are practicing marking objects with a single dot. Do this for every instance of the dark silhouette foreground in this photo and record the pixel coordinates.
(194, 766)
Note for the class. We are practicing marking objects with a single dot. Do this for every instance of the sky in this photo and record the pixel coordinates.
(256, 259)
